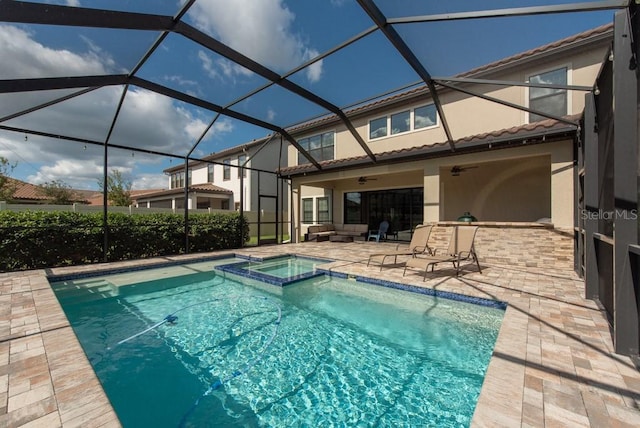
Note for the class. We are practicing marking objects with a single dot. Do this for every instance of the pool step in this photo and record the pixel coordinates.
(84, 290)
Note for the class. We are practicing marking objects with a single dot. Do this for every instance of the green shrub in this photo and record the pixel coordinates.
(38, 239)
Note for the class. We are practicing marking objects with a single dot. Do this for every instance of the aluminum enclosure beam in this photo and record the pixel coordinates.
(8, 86)
(520, 11)
(246, 62)
(508, 104)
(47, 104)
(512, 83)
(626, 326)
(11, 11)
(111, 145)
(392, 35)
(50, 14)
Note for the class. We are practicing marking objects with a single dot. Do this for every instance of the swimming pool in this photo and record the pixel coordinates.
(323, 351)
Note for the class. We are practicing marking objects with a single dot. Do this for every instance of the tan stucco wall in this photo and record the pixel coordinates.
(562, 173)
(526, 183)
(510, 190)
(559, 172)
(467, 115)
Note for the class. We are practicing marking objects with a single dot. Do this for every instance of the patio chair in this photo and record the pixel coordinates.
(380, 233)
(461, 248)
(419, 245)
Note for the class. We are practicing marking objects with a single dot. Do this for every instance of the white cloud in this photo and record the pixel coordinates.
(261, 30)
(221, 67)
(271, 114)
(31, 59)
(78, 175)
(146, 120)
(150, 181)
(314, 71)
(180, 80)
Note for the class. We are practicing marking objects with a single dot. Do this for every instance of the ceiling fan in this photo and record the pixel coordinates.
(456, 169)
(363, 179)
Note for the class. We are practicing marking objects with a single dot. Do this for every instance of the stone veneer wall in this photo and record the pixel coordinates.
(526, 245)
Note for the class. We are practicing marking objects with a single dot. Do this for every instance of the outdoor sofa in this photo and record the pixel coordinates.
(323, 232)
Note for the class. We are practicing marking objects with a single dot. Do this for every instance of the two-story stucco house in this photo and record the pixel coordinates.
(223, 180)
(480, 154)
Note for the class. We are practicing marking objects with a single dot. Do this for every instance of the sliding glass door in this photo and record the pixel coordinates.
(402, 208)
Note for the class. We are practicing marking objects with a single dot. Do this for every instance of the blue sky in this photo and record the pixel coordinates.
(279, 34)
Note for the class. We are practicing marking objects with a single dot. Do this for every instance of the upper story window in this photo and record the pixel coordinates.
(400, 122)
(320, 147)
(378, 128)
(189, 178)
(425, 116)
(405, 121)
(547, 100)
(177, 179)
(210, 173)
(226, 169)
(241, 171)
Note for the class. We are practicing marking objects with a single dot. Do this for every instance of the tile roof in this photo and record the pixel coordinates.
(421, 89)
(27, 191)
(31, 192)
(203, 188)
(97, 198)
(601, 30)
(548, 127)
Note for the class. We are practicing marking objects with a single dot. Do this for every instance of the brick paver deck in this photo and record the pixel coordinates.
(552, 365)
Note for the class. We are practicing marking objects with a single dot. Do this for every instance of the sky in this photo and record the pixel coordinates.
(280, 34)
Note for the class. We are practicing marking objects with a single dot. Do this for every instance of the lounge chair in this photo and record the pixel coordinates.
(461, 247)
(380, 232)
(419, 245)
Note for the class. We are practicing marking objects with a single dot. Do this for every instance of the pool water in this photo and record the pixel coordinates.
(281, 270)
(321, 352)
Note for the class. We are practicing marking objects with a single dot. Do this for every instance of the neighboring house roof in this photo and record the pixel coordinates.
(97, 197)
(200, 188)
(219, 156)
(30, 192)
(542, 131)
(27, 191)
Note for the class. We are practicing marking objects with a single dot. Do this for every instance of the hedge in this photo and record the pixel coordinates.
(37, 239)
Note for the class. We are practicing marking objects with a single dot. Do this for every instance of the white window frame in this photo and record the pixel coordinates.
(335, 143)
(569, 68)
(412, 120)
(226, 169)
(302, 211)
(317, 209)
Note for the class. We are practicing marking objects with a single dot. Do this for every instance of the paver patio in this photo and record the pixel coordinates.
(552, 365)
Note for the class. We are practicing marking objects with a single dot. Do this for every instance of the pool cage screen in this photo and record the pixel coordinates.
(606, 232)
